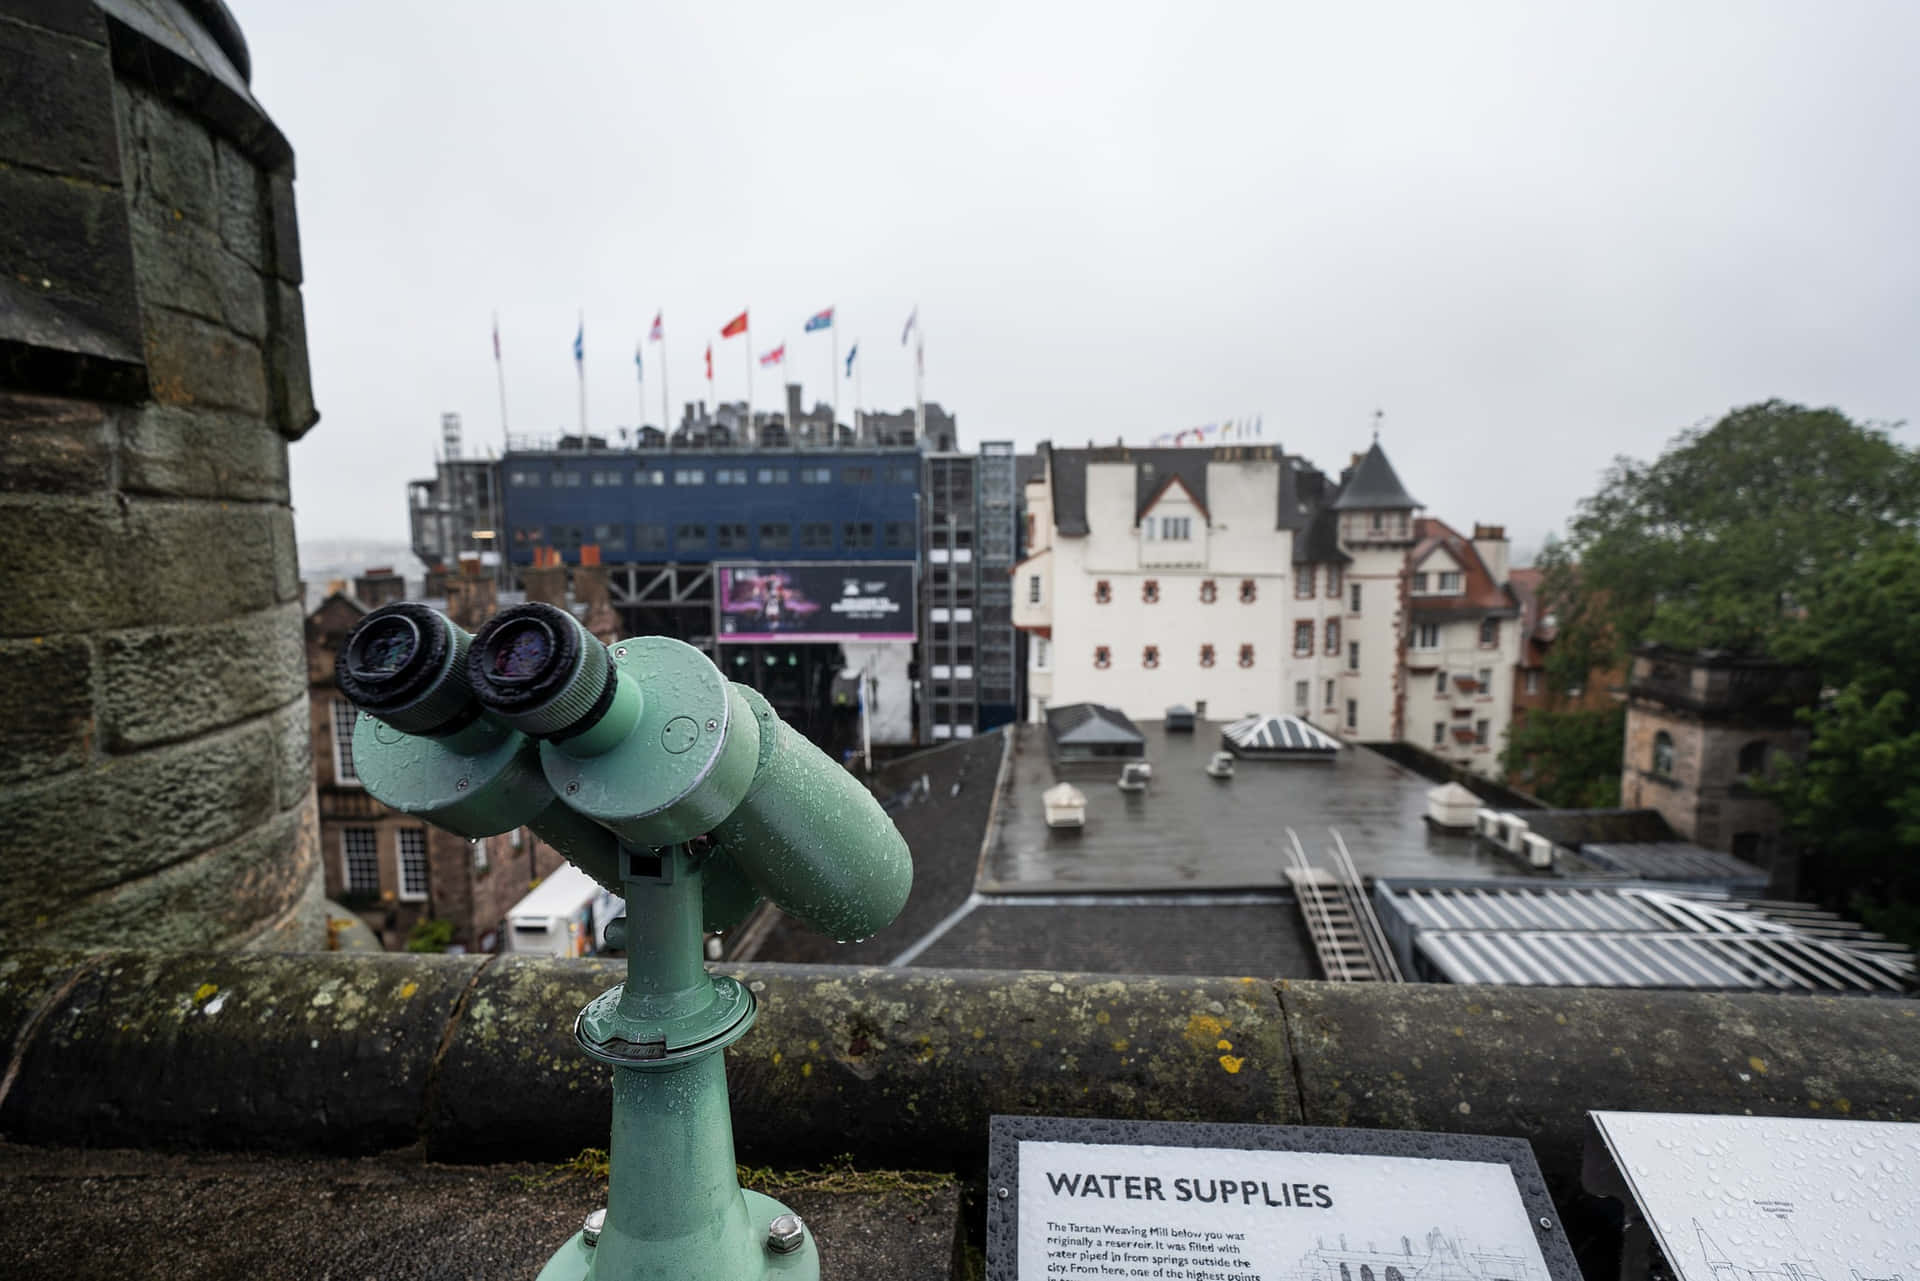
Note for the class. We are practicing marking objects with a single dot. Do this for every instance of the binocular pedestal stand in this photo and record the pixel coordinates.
(675, 1207)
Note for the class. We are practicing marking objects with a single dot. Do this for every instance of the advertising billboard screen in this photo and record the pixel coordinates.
(812, 602)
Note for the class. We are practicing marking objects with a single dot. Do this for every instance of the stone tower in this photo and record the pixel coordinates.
(155, 781)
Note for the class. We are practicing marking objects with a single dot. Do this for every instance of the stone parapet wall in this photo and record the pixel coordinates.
(472, 1057)
(155, 774)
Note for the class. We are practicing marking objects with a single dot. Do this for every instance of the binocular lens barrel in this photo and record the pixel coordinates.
(407, 665)
(536, 668)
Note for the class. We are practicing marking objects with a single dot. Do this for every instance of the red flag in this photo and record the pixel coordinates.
(775, 356)
(738, 325)
(709, 362)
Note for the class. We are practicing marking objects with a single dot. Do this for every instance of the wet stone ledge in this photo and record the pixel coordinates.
(471, 1058)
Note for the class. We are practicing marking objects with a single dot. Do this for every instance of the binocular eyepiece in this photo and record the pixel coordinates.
(534, 667)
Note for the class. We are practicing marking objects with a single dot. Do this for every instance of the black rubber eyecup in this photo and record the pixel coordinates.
(392, 657)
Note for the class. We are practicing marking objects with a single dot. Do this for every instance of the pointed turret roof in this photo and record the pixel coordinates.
(1373, 485)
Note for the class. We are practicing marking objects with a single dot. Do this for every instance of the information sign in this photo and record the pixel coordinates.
(821, 603)
(1765, 1198)
(1075, 1200)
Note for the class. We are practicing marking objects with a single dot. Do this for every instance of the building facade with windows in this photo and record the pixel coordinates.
(969, 679)
(392, 869)
(1703, 729)
(1238, 580)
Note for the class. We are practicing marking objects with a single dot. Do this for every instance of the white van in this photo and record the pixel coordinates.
(565, 915)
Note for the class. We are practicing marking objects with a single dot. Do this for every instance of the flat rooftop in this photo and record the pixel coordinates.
(1192, 832)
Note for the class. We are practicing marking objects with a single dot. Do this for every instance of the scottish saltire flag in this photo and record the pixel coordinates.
(775, 356)
(820, 320)
(580, 344)
(656, 333)
(851, 353)
(907, 332)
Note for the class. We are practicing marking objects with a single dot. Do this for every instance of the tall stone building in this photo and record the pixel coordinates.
(1702, 730)
(155, 779)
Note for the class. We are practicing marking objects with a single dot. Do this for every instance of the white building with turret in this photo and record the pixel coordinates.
(1237, 580)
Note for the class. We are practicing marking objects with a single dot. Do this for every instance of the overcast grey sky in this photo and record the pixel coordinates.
(1536, 235)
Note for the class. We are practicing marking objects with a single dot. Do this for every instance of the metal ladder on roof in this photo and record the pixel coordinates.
(1340, 919)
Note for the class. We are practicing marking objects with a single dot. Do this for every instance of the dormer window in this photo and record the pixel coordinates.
(1174, 529)
(1449, 582)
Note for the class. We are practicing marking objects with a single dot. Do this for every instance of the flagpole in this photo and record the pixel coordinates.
(640, 380)
(666, 419)
(859, 388)
(580, 364)
(500, 376)
(919, 389)
(833, 378)
(746, 430)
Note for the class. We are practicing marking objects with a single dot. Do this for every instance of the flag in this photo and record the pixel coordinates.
(656, 334)
(912, 320)
(496, 337)
(820, 320)
(639, 371)
(738, 325)
(775, 356)
(580, 344)
(709, 362)
(851, 353)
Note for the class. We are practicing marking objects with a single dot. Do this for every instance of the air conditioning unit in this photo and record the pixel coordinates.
(1513, 834)
(1486, 824)
(1539, 851)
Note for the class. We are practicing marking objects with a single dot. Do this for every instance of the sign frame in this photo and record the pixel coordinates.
(1005, 1134)
(722, 571)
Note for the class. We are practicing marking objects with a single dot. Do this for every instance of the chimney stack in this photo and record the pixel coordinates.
(379, 587)
(1491, 542)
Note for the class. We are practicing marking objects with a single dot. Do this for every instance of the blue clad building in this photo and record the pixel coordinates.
(696, 506)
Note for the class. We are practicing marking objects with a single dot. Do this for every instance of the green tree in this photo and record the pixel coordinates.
(430, 934)
(1724, 537)
(1569, 759)
(1854, 803)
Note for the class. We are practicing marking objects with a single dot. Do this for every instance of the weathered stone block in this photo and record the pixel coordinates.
(130, 816)
(46, 707)
(216, 898)
(286, 554)
(175, 154)
(169, 450)
(242, 216)
(59, 114)
(286, 227)
(287, 351)
(69, 241)
(192, 362)
(183, 266)
(53, 445)
(79, 565)
(292, 727)
(167, 683)
(80, 20)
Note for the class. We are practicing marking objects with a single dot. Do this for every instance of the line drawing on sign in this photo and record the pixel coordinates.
(1435, 1257)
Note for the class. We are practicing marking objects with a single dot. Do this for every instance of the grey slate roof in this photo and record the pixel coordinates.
(1374, 486)
(1084, 724)
(1296, 493)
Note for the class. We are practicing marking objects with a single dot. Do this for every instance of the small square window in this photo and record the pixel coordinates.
(730, 537)
(771, 476)
(1102, 592)
(1150, 591)
(1246, 656)
(690, 537)
(776, 536)
(816, 536)
(856, 475)
(1102, 656)
(689, 476)
(1206, 656)
(900, 534)
(1247, 591)
(857, 535)
(1150, 656)
(1209, 592)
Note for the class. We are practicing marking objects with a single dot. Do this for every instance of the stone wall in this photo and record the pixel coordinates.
(155, 779)
(472, 1058)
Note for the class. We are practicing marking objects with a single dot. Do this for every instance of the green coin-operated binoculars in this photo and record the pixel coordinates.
(685, 794)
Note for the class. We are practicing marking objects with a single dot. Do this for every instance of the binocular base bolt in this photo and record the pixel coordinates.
(590, 1230)
(786, 1234)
